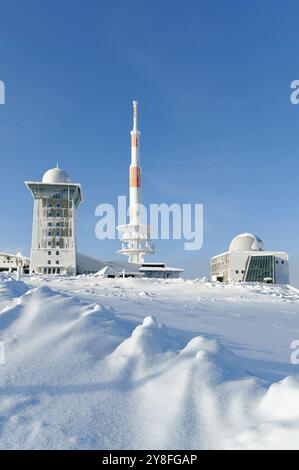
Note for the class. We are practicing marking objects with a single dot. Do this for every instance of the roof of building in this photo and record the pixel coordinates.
(16, 255)
(108, 271)
(56, 175)
(250, 253)
(246, 242)
(159, 269)
(115, 271)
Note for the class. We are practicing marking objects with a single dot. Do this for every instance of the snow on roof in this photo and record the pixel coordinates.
(159, 268)
(246, 242)
(16, 255)
(109, 271)
(56, 175)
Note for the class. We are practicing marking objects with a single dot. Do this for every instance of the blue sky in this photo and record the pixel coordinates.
(213, 82)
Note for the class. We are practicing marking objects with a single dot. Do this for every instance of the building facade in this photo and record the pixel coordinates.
(248, 261)
(160, 270)
(53, 248)
(9, 262)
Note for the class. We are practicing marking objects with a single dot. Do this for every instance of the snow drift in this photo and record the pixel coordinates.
(80, 374)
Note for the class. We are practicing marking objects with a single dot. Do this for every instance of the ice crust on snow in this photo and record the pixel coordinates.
(92, 365)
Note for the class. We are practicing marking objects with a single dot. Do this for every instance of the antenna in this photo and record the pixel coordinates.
(135, 103)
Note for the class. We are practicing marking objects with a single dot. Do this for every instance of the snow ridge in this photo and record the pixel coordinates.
(81, 374)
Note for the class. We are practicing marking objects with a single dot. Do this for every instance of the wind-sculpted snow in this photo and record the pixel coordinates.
(94, 370)
(10, 288)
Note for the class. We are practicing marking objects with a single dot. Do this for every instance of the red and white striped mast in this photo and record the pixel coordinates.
(135, 173)
(135, 238)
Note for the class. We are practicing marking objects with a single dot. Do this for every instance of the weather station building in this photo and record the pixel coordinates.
(248, 261)
(54, 242)
(53, 248)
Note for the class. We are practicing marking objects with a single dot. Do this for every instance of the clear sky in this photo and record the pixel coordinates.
(213, 83)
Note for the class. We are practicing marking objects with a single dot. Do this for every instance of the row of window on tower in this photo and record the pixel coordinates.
(58, 224)
(50, 243)
(54, 214)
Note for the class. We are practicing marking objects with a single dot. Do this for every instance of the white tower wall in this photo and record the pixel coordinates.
(53, 248)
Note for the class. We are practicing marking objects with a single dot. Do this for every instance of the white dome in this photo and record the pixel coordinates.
(246, 242)
(56, 175)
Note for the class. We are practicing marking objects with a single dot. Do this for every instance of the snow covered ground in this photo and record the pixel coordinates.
(97, 363)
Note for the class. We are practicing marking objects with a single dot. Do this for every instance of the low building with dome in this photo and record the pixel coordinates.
(248, 261)
(53, 248)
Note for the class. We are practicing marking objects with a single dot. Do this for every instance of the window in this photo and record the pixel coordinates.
(49, 243)
(49, 224)
(57, 234)
(57, 253)
(49, 253)
(57, 205)
(49, 234)
(237, 272)
(58, 270)
(57, 243)
(49, 262)
(276, 261)
(58, 224)
(50, 205)
(282, 262)
(58, 214)
(260, 267)
(57, 262)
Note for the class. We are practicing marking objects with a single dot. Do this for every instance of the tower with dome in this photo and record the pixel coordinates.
(53, 247)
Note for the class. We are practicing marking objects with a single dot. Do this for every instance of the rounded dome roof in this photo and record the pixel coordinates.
(246, 242)
(56, 175)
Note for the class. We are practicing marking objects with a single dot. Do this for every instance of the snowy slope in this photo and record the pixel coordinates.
(91, 364)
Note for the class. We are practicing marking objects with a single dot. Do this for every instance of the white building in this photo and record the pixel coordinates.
(9, 262)
(160, 270)
(247, 260)
(56, 198)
